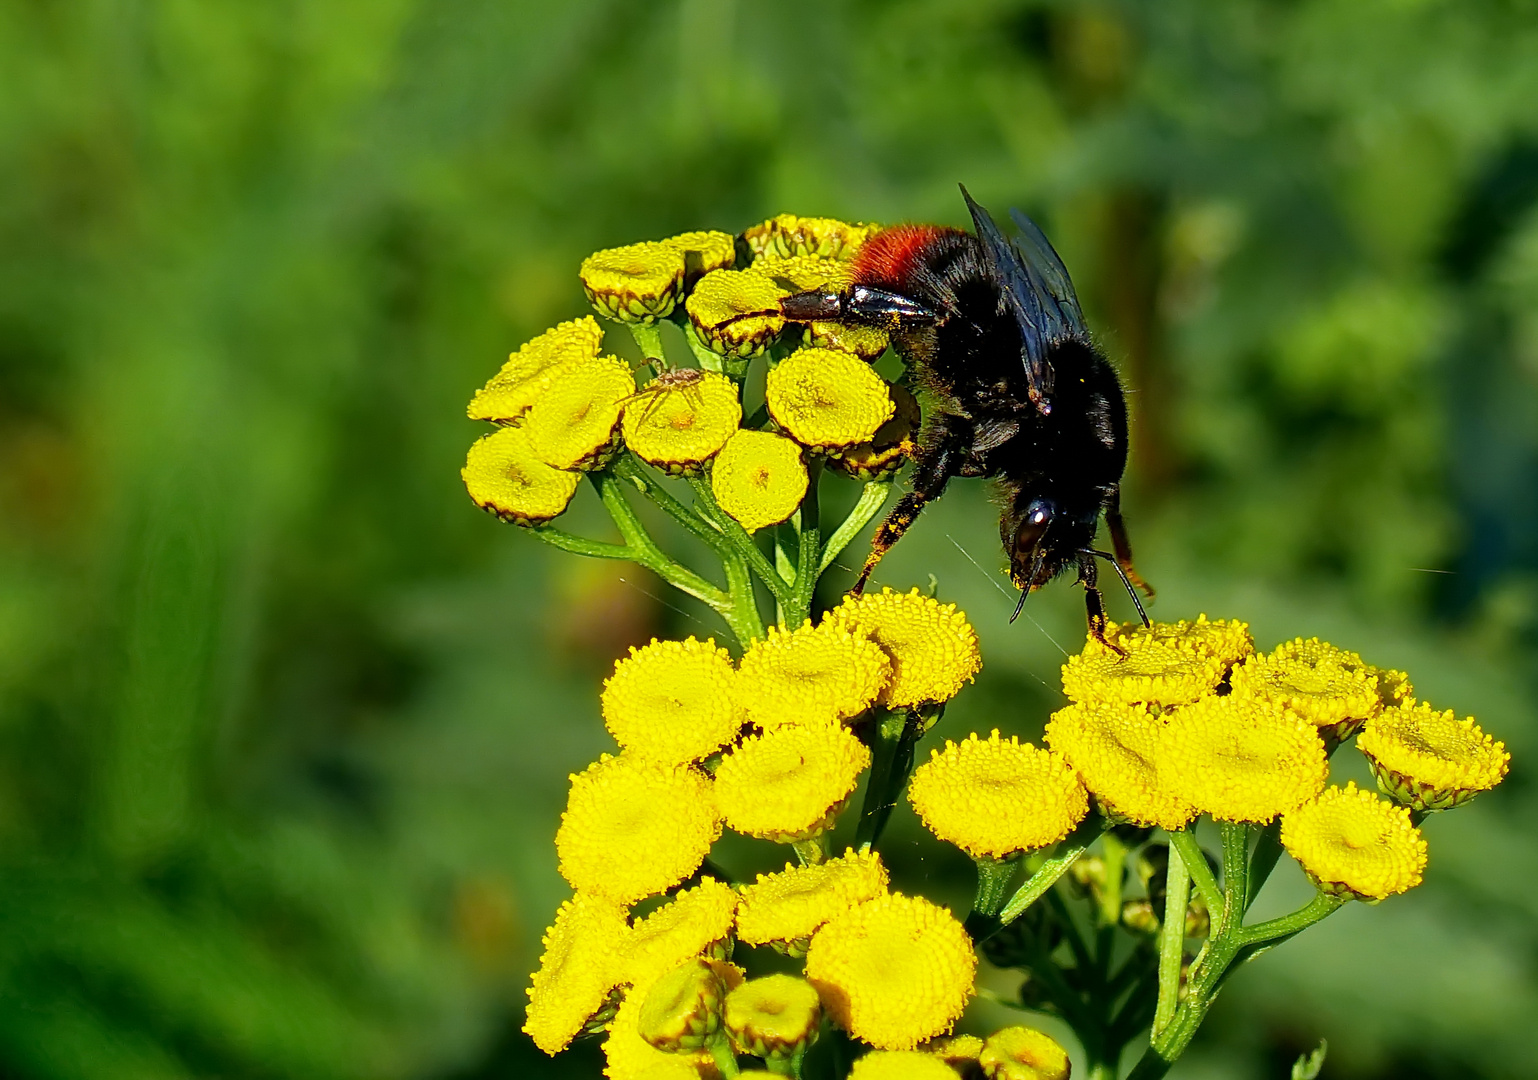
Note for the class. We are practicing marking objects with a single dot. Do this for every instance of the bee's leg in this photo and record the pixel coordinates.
(936, 461)
(1121, 545)
(1094, 603)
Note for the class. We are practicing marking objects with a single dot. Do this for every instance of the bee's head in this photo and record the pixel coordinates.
(1027, 541)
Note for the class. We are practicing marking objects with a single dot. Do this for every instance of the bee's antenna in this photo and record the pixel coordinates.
(1035, 569)
(1136, 601)
(1021, 605)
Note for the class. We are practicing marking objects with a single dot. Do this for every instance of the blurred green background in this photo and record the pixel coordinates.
(285, 722)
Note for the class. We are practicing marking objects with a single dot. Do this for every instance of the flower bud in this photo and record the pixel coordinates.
(774, 1018)
(682, 1011)
(1139, 917)
(1022, 1053)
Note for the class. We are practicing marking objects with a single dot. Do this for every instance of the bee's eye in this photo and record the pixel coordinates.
(1033, 525)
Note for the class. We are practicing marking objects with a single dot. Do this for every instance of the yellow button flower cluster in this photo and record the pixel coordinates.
(1429, 760)
(792, 905)
(996, 797)
(1355, 844)
(933, 648)
(791, 782)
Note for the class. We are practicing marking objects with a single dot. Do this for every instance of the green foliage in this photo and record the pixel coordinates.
(284, 722)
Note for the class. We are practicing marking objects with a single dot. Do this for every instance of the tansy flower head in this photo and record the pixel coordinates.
(866, 342)
(790, 783)
(794, 903)
(681, 1012)
(638, 283)
(889, 448)
(672, 701)
(759, 478)
(633, 827)
(996, 797)
(682, 418)
(1428, 760)
(810, 674)
(786, 235)
(577, 970)
(1022, 1053)
(894, 971)
(1227, 639)
(1241, 759)
(1352, 843)
(572, 424)
(1329, 687)
(799, 273)
(704, 251)
(933, 647)
(630, 1057)
(695, 922)
(958, 1051)
(1114, 747)
(826, 398)
(505, 478)
(736, 312)
(774, 1018)
(901, 1065)
(1149, 670)
(528, 371)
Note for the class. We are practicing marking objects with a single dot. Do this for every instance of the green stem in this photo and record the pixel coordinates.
(1273, 931)
(993, 878)
(1268, 849)
(649, 337)
(891, 761)
(740, 541)
(629, 467)
(1047, 874)
(871, 500)
(1172, 939)
(808, 557)
(708, 360)
(645, 550)
(1236, 874)
(1184, 841)
(580, 545)
(726, 1061)
(1115, 858)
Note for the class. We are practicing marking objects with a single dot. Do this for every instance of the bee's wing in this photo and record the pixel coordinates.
(1027, 289)
(1042, 257)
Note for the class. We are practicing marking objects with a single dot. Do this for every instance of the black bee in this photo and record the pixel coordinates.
(993, 328)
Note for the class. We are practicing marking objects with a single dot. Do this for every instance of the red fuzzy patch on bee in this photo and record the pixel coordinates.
(889, 256)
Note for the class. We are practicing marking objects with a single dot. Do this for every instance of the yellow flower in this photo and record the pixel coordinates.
(1114, 748)
(736, 312)
(695, 922)
(787, 235)
(637, 283)
(1241, 759)
(704, 251)
(894, 971)
(633, 827)
(810, 674)
(800, 273)
(774, 1018)
(1022, 1053)
(1429, 760)
(958, 1051)
(572, 424)
(577, 970)
(681, 1011)
(1151, 671)
(791, 905)
(866, 342)
(682, 418)
(1352, 843)
(826, 398)
(996, 797)
(672, 701)
(892, 445)
(933, 647)
(790, 783)
(528, 371)
(630, 1057)
(901, 1065)
(759, 478)
(505, 478)
(1329, 687)
(1227, 639)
